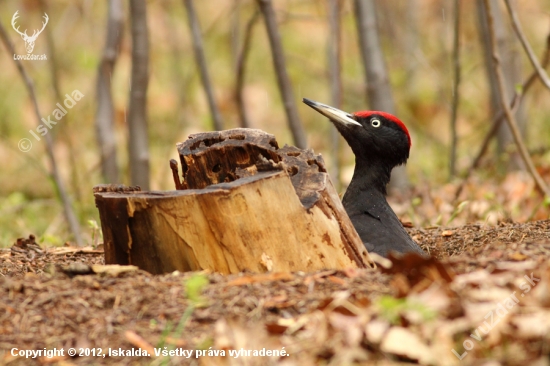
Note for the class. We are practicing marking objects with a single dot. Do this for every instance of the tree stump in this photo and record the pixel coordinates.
(243, 204)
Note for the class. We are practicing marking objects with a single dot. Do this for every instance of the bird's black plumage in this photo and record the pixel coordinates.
(380, 142)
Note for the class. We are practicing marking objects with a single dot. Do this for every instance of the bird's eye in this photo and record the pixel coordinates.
(375, 122)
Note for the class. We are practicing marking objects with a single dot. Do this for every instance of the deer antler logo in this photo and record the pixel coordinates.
(29, 40)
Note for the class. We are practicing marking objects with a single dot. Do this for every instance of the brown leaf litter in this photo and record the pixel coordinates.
(484, 298)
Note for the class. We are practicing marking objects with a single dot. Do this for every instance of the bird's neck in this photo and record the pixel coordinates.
(370, 176)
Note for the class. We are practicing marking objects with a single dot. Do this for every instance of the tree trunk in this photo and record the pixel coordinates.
(137, 114)
(376, 76)
(244, 204)
(512, 71)
(334, 65)
(54, 172)
(283, 80)
(455, 92)
(201, 64)
(411, 45)
(240, 71)
(104, 119)
(67, 133)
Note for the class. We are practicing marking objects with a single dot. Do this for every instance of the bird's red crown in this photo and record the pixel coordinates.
(389, 117)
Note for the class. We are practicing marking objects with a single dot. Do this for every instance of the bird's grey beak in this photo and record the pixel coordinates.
(335, 115)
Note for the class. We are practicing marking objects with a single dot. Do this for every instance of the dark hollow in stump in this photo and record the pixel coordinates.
(243, 204)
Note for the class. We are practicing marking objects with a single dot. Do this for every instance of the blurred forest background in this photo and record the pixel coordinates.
(427, 61)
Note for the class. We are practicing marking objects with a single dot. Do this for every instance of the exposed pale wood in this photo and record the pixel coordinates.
(246, 205)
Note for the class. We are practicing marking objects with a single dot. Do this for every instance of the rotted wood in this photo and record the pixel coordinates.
(241, 203)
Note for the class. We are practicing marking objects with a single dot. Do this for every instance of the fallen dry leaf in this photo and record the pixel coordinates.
(517, 256)
(349, 326)
(375, 330)
(434, 297)
(307, 313)
(516, 266)
(529, 326)
(402, 342)
(416, 268)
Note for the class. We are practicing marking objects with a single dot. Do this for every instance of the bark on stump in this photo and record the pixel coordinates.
(243, 204)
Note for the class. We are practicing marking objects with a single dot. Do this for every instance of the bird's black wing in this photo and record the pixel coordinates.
(380, 229)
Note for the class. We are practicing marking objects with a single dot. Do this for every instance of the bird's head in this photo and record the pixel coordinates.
(372, 135)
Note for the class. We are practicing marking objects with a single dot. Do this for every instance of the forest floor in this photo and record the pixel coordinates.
(484, 295)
